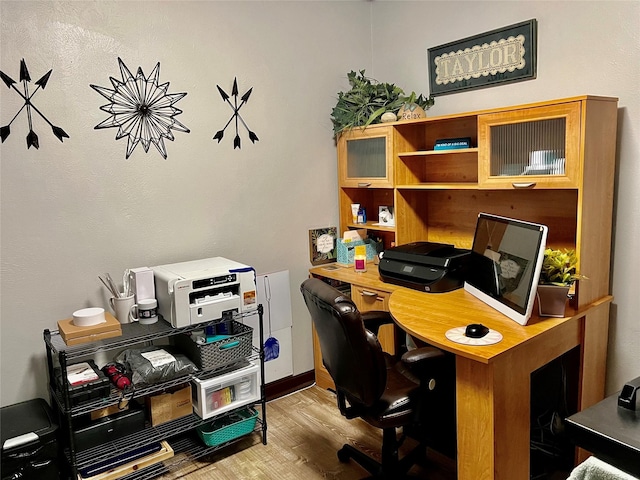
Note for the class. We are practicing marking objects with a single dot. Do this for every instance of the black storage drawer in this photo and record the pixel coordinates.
(110, 428)
(29, 441)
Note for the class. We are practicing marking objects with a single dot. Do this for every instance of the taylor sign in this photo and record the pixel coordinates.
(481, 60)
(502, 55)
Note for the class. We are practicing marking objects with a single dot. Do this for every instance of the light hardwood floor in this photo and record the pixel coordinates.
(305, 430)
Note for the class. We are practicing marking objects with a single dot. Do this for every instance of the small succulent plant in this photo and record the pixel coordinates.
(559, 268)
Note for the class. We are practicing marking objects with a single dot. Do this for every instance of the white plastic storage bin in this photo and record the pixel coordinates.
(216, 395)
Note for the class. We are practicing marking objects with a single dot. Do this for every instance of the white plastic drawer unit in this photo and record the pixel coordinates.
(216, 395)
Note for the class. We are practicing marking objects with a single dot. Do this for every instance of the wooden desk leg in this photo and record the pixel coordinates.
(593, 363)
(493, 409)
(594, 356)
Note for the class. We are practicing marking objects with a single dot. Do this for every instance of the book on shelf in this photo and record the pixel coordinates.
(452, 143)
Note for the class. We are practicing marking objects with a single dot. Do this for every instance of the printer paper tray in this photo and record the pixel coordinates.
(214, 309)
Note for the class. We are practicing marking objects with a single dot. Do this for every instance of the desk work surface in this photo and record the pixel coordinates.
(347, 274)
(429, 316)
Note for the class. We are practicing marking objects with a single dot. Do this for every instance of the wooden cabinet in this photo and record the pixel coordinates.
(368, 299)
(365, 177)
(370, 199)
(365, 158)
(536, 147)
(548, 162)
(420, 166)
(323, 379)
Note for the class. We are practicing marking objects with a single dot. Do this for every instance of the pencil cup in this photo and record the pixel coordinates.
(122, 307)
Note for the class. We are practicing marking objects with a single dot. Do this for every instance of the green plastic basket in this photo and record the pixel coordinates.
(228, 428)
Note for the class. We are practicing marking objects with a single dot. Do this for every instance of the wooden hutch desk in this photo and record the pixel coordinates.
(436, 196)
(493, 382)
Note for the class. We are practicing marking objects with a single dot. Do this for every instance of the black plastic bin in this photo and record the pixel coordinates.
(29, 443)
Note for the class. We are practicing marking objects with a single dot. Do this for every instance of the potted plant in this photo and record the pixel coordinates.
(367, 100)
(558, 274)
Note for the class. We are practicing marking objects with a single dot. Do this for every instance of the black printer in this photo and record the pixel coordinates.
(425, 266)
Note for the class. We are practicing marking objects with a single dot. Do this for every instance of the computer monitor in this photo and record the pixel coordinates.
(505, 264)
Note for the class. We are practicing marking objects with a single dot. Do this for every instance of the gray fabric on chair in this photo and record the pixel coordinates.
(595, 469)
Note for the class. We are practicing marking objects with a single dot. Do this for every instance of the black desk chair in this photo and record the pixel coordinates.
(370, 383)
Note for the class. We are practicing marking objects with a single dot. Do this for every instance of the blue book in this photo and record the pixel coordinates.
(452, 143)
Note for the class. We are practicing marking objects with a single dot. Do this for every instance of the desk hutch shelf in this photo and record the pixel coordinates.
(550, 162)
(547, 162)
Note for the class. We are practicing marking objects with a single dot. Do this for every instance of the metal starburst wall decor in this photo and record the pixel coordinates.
(141, 109)
(25, 78)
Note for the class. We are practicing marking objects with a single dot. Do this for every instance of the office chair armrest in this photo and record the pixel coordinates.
(422, 361)
(374, 319)
(413, 357)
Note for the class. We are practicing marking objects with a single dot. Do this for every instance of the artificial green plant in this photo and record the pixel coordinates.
(367, 100)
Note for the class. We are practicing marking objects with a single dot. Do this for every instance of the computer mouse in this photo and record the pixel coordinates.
(476, 330)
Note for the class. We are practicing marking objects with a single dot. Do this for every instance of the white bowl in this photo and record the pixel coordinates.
(87, 317)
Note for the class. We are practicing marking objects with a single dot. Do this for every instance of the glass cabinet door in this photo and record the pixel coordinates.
(534, 148)
(364, 158)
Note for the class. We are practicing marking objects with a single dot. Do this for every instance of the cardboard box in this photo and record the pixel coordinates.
(142, 283)
(106, 411)
(74, 335)
(169, 406)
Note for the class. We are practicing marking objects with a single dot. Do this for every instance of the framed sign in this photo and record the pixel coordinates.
(322, 245)
(507, 54)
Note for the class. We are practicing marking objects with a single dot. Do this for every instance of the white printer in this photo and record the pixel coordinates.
(203, 290)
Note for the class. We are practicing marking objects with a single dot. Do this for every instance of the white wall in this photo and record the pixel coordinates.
(588, 47)
(74, 210)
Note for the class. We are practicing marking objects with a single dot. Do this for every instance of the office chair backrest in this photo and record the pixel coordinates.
(352, 355)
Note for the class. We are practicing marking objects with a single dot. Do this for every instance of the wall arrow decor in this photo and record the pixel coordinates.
(141, 109)
(236, 114)
(25, 78)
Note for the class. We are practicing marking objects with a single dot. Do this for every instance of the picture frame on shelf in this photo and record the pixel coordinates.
(322, 245)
